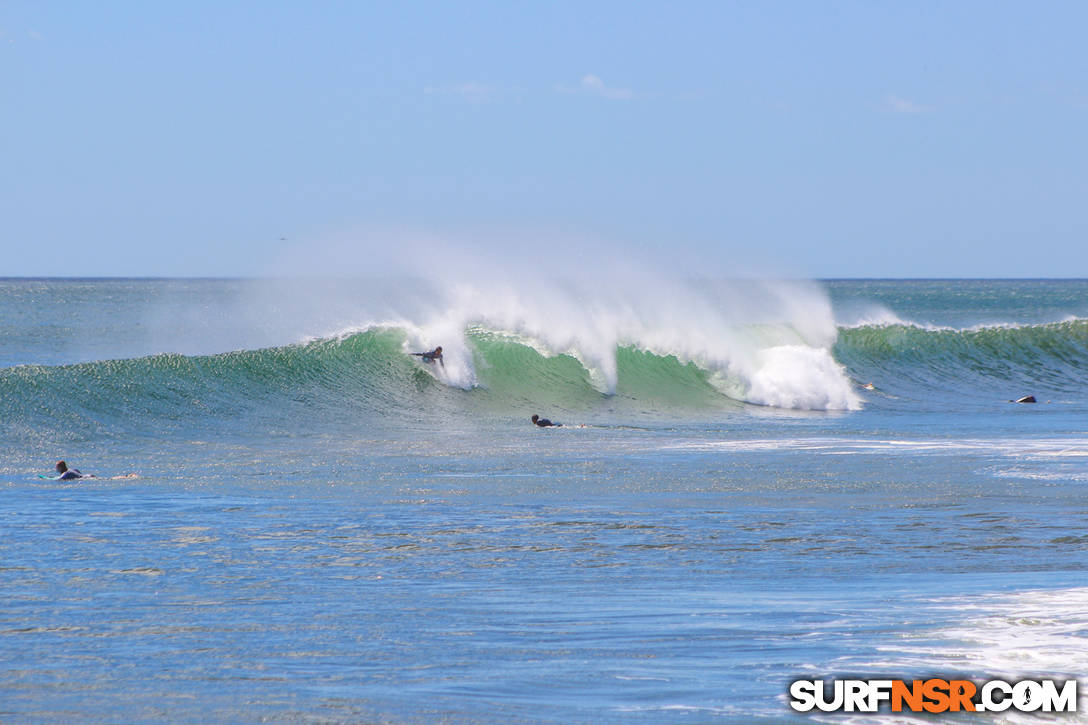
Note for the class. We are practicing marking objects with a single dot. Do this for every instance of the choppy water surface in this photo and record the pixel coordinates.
(310, 526)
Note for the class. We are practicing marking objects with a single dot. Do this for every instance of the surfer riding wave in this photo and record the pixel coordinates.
(432, 356)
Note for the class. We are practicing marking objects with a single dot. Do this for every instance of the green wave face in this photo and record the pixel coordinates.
(365, 377)
(510, 370)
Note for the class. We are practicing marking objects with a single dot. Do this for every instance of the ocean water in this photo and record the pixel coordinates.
(294, 520)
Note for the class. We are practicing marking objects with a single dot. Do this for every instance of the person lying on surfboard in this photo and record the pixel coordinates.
(544, 422)
(64, 473)
(430, 357)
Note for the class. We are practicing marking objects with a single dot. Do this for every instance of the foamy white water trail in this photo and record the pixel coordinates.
(1035, 634)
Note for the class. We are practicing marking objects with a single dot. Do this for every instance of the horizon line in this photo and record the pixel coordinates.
(233, 278)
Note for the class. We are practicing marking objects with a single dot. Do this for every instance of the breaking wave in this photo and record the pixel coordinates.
(987, 361)
(647, 349)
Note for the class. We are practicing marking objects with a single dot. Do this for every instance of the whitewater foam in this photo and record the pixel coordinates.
(1040, 449)
(1029, 634)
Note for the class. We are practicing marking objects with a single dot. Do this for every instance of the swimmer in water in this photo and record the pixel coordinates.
(432, 356)
(544, 422)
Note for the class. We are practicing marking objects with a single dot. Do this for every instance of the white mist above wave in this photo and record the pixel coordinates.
(762, 342)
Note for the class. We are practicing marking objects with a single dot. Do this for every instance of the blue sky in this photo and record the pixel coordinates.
(814, 139)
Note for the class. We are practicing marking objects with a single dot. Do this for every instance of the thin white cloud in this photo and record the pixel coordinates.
(35, 35)
(593, 85)
(465, 90)
(895, 104)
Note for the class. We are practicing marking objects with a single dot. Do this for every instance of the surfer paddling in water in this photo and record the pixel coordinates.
(432, 356)
(64, 473)
(544, 422)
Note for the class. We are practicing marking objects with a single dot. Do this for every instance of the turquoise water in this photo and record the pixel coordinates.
(296, 521)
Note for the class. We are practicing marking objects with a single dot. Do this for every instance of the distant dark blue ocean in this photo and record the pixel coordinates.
(295, 520)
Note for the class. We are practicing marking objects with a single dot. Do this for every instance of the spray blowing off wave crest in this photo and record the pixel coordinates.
(869, 314)
(761, 342)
